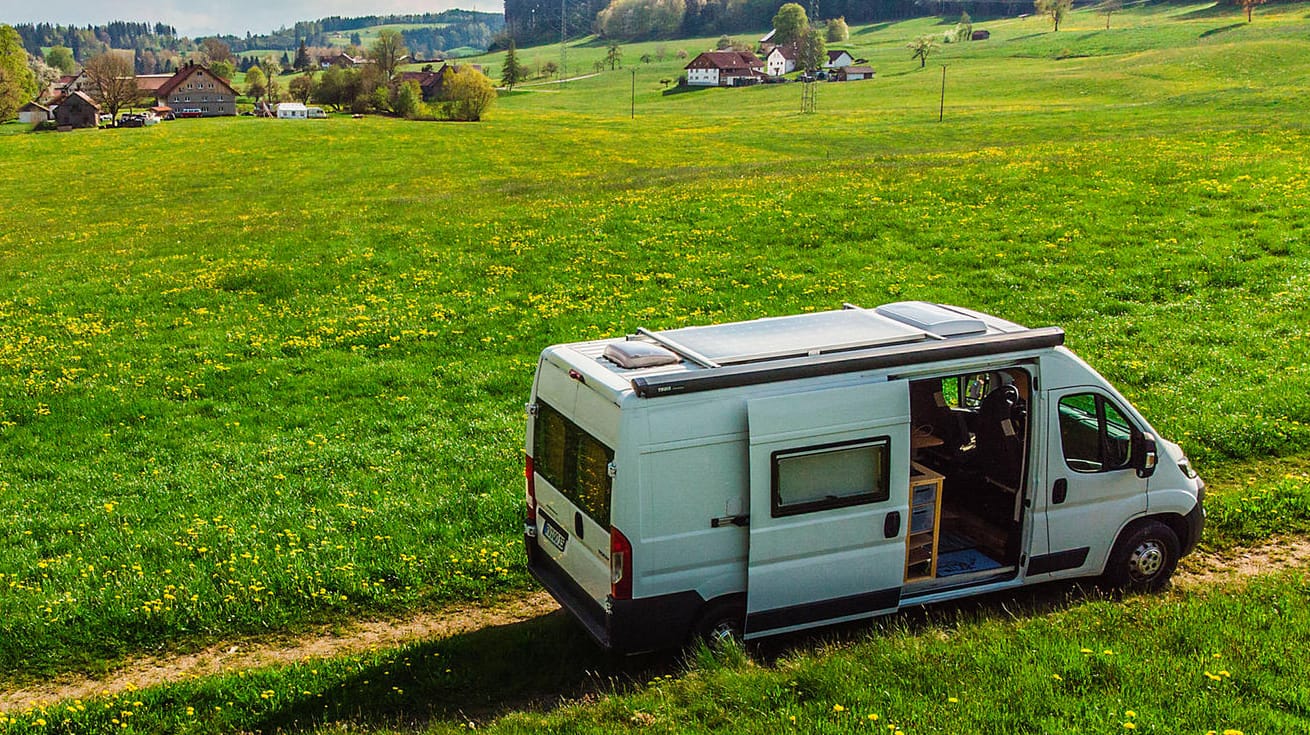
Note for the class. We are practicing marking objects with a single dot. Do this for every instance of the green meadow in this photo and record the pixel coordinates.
(260, 374)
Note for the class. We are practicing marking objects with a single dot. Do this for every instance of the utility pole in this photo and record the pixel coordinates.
(941, 111)
(634, 93)
(563, 43)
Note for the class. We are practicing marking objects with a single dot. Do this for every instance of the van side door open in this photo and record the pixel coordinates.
(829, 485)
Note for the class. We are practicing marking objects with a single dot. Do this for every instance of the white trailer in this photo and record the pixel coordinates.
(774, 475)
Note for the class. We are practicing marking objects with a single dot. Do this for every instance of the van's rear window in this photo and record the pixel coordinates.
(573, 461)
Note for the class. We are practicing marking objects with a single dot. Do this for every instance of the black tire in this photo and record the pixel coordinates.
(722, 621)
(1144, 559)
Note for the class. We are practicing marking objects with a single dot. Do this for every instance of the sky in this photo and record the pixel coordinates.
(209, 17)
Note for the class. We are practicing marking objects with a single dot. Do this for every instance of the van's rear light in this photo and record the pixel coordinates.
(620, 565)
(530, 476)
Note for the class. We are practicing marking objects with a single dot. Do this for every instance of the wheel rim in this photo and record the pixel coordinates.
(1147, 560)
(723, 632)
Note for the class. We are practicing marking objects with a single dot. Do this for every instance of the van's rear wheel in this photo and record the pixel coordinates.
(722, 622)
(1144, 559)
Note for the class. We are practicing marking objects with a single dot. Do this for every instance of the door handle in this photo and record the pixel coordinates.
(738, 520)
(577, 524)
(891, 525)
(1059, 491)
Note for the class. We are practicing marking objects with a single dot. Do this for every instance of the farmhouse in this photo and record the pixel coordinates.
(433, 83)
(77, 110)
(343, 60)
(195, 87)
(724, 69)
(838, 59)
(781, 60)
(33, 112)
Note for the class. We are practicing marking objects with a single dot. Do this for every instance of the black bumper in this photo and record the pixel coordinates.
(627, 626)
(1195, 525)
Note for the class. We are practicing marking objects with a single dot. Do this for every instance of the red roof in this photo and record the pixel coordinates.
(152, 82)
(725, 60)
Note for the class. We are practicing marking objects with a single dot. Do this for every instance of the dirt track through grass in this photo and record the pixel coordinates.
(1202, 568)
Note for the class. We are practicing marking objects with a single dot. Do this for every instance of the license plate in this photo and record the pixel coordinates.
(553, 532)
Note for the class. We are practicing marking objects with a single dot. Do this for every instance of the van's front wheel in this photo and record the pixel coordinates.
(1144, 559)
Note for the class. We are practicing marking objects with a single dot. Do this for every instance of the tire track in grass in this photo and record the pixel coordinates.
(1200, 569)
(323, 642)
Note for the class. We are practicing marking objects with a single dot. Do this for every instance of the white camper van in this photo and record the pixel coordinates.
(769, 476)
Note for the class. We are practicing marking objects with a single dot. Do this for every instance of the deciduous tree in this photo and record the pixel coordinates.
(469, 93)
(256, 83)
(1108, 8)
(614, 55)
(386, 52)
(114, 80)
(838, 31)
(922, 47)
(409, 100)
(789, 23)
(1056, 10)
(61, 58)
(46, 75)
(302, 87)
(215, 50)
(1249, 5)
(222, 69)
(17, 83)
(811, 51)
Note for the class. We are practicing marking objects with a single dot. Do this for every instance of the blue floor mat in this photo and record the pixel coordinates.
(962, 561)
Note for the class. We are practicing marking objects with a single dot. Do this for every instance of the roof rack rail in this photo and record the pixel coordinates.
(681, 350)
(888, 356)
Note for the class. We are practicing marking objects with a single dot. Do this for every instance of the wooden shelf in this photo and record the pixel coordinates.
(925, 520)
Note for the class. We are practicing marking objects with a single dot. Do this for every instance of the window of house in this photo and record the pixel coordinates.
(831, 476)
(1094, 434)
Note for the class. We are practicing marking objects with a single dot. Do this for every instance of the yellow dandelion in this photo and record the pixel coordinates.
(953, 700)
(1057, 677)
(1231, 731)
(873, 717)
(1130, 726)
(838, 708)
(1130, 714)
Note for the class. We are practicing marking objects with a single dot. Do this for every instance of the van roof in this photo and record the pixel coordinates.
(656, 363)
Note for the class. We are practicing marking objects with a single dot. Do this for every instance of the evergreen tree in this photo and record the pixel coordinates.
(512, 73)
(302, 58)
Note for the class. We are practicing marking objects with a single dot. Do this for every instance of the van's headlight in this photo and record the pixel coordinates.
(1186, 467)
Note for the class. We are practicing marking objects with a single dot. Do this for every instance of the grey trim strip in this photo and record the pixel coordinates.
(876, 358)
(1058, 562)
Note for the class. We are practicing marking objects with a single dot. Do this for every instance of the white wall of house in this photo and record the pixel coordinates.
(702, 77)
(33, 116)
(776, 64)
(844, 59)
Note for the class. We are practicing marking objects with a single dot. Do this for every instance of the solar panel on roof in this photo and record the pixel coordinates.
(786, 336)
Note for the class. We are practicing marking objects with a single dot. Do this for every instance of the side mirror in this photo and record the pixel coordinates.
(1145, 455)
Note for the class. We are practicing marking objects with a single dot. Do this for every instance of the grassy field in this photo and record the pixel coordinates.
(256, 374)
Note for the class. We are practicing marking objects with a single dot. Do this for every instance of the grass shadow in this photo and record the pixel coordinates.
(683, 89)
(1221, 29)
(870, 29)
(471, 678)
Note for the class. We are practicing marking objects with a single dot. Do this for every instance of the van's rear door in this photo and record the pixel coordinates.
(829, 486)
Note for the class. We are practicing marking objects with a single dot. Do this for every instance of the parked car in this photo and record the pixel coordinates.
(768, 476)
(191, 112)
(131, 121)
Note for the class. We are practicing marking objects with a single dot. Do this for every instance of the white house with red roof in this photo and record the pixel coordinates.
(725, 69)
(781, 60)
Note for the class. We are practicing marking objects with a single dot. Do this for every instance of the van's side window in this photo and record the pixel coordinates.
(1094, 433)
(831, 476)
(574, 462)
